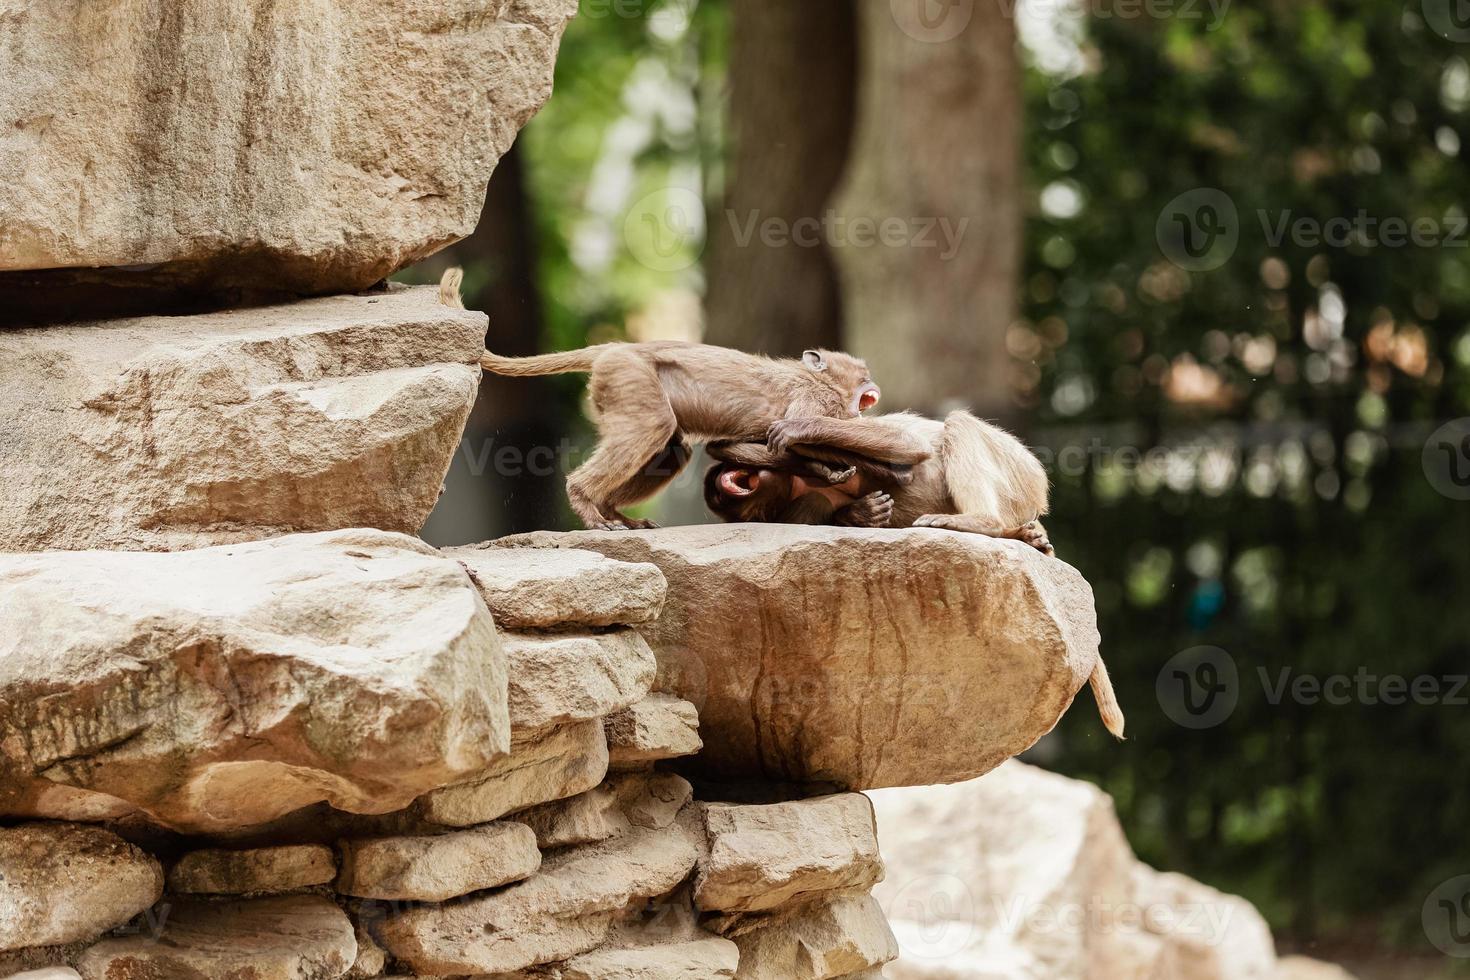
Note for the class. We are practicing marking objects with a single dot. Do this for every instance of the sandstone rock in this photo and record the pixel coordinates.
(564, 909)
(224, 687)
(698, 959)
(1032, 879)
(532, 589)
(1303, 968)
(653, 799)
(762, 857)
(371, 959)
(60, 883)
(844, 936)
(583, 819)
(557, 679)
(436, 868)
(569, 760)
(260, 869)
(833, 655)
(197, 430)
(657, 727)
(311, 150)
(49, 973)
(297, 937)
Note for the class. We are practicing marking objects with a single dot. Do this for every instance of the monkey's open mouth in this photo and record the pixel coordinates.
(738, 483)
(868, 399)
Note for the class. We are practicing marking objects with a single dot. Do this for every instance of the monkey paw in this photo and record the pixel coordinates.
(871, 510)
(1035, 535)
(782, 433)
(626, 524)
(935, 520)
(836, 476)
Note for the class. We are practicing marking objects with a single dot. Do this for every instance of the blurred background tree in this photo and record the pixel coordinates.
(1235, 433)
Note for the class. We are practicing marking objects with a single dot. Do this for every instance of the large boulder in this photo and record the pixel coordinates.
(1032, 879)
(224, 687)
(160, 433)
(833, 656)
(243, 147)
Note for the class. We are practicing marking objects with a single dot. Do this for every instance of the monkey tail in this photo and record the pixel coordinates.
(1107, 701)
(562, 362)
(449, 285)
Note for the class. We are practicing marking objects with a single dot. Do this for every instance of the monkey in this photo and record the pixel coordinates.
(978, 478)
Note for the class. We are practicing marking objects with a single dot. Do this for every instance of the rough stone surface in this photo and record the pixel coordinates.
(314, 148)
(833, 655)
(564, 909)
(224, 687)
(558, 679)
(61, 883)
(696, 959)
(583, 819)
(444, 866)
(762, 857)
(49, 973)
(651, 800)
(570, 760)
(162, 433)
(1032, 879)
(844, 936)
(658, 727)
(297, 937)
(557, 587)
(259, 869)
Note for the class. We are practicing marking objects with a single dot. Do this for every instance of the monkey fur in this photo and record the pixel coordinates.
(978, 478)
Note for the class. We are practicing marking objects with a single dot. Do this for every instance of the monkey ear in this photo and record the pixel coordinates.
(814, 360)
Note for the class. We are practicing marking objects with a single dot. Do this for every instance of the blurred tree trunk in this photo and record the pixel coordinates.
(497, 484)
(936, 156)
(791, 115)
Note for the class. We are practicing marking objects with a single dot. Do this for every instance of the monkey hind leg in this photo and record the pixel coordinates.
(1031, 532)
(657, 473)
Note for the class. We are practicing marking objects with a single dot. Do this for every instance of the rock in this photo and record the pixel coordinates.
(763, 857)
(296, 937)
(49, 973)
(371, 959)
(833, 939)
(557, 679)
(61, 883)
(1033, 879)
(698, 959)
(1303, 968)
(652, 799)
(531, 589)
(196, 430)
(657, 727)
(570, 760)
(826, 655)
(256, 870)
(564, 909)
(311, 151)
(224, 687)
(583, 819)
(432, 869)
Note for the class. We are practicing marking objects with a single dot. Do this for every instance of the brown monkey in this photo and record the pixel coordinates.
(979, 479)
(653, 399)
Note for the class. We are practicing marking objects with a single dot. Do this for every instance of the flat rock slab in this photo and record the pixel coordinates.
(224, 687)
(297, 937)
(564, 678)
(560, 587)
(439, 867)
(63, 883)
(763, 857)
(659, 726)
(845, 936)
(313, 150)
(216, 871)
(162, 433)
(697, 959)
(833, 655)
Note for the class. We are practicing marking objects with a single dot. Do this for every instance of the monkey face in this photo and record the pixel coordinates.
(847, 374)
(740, 494)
